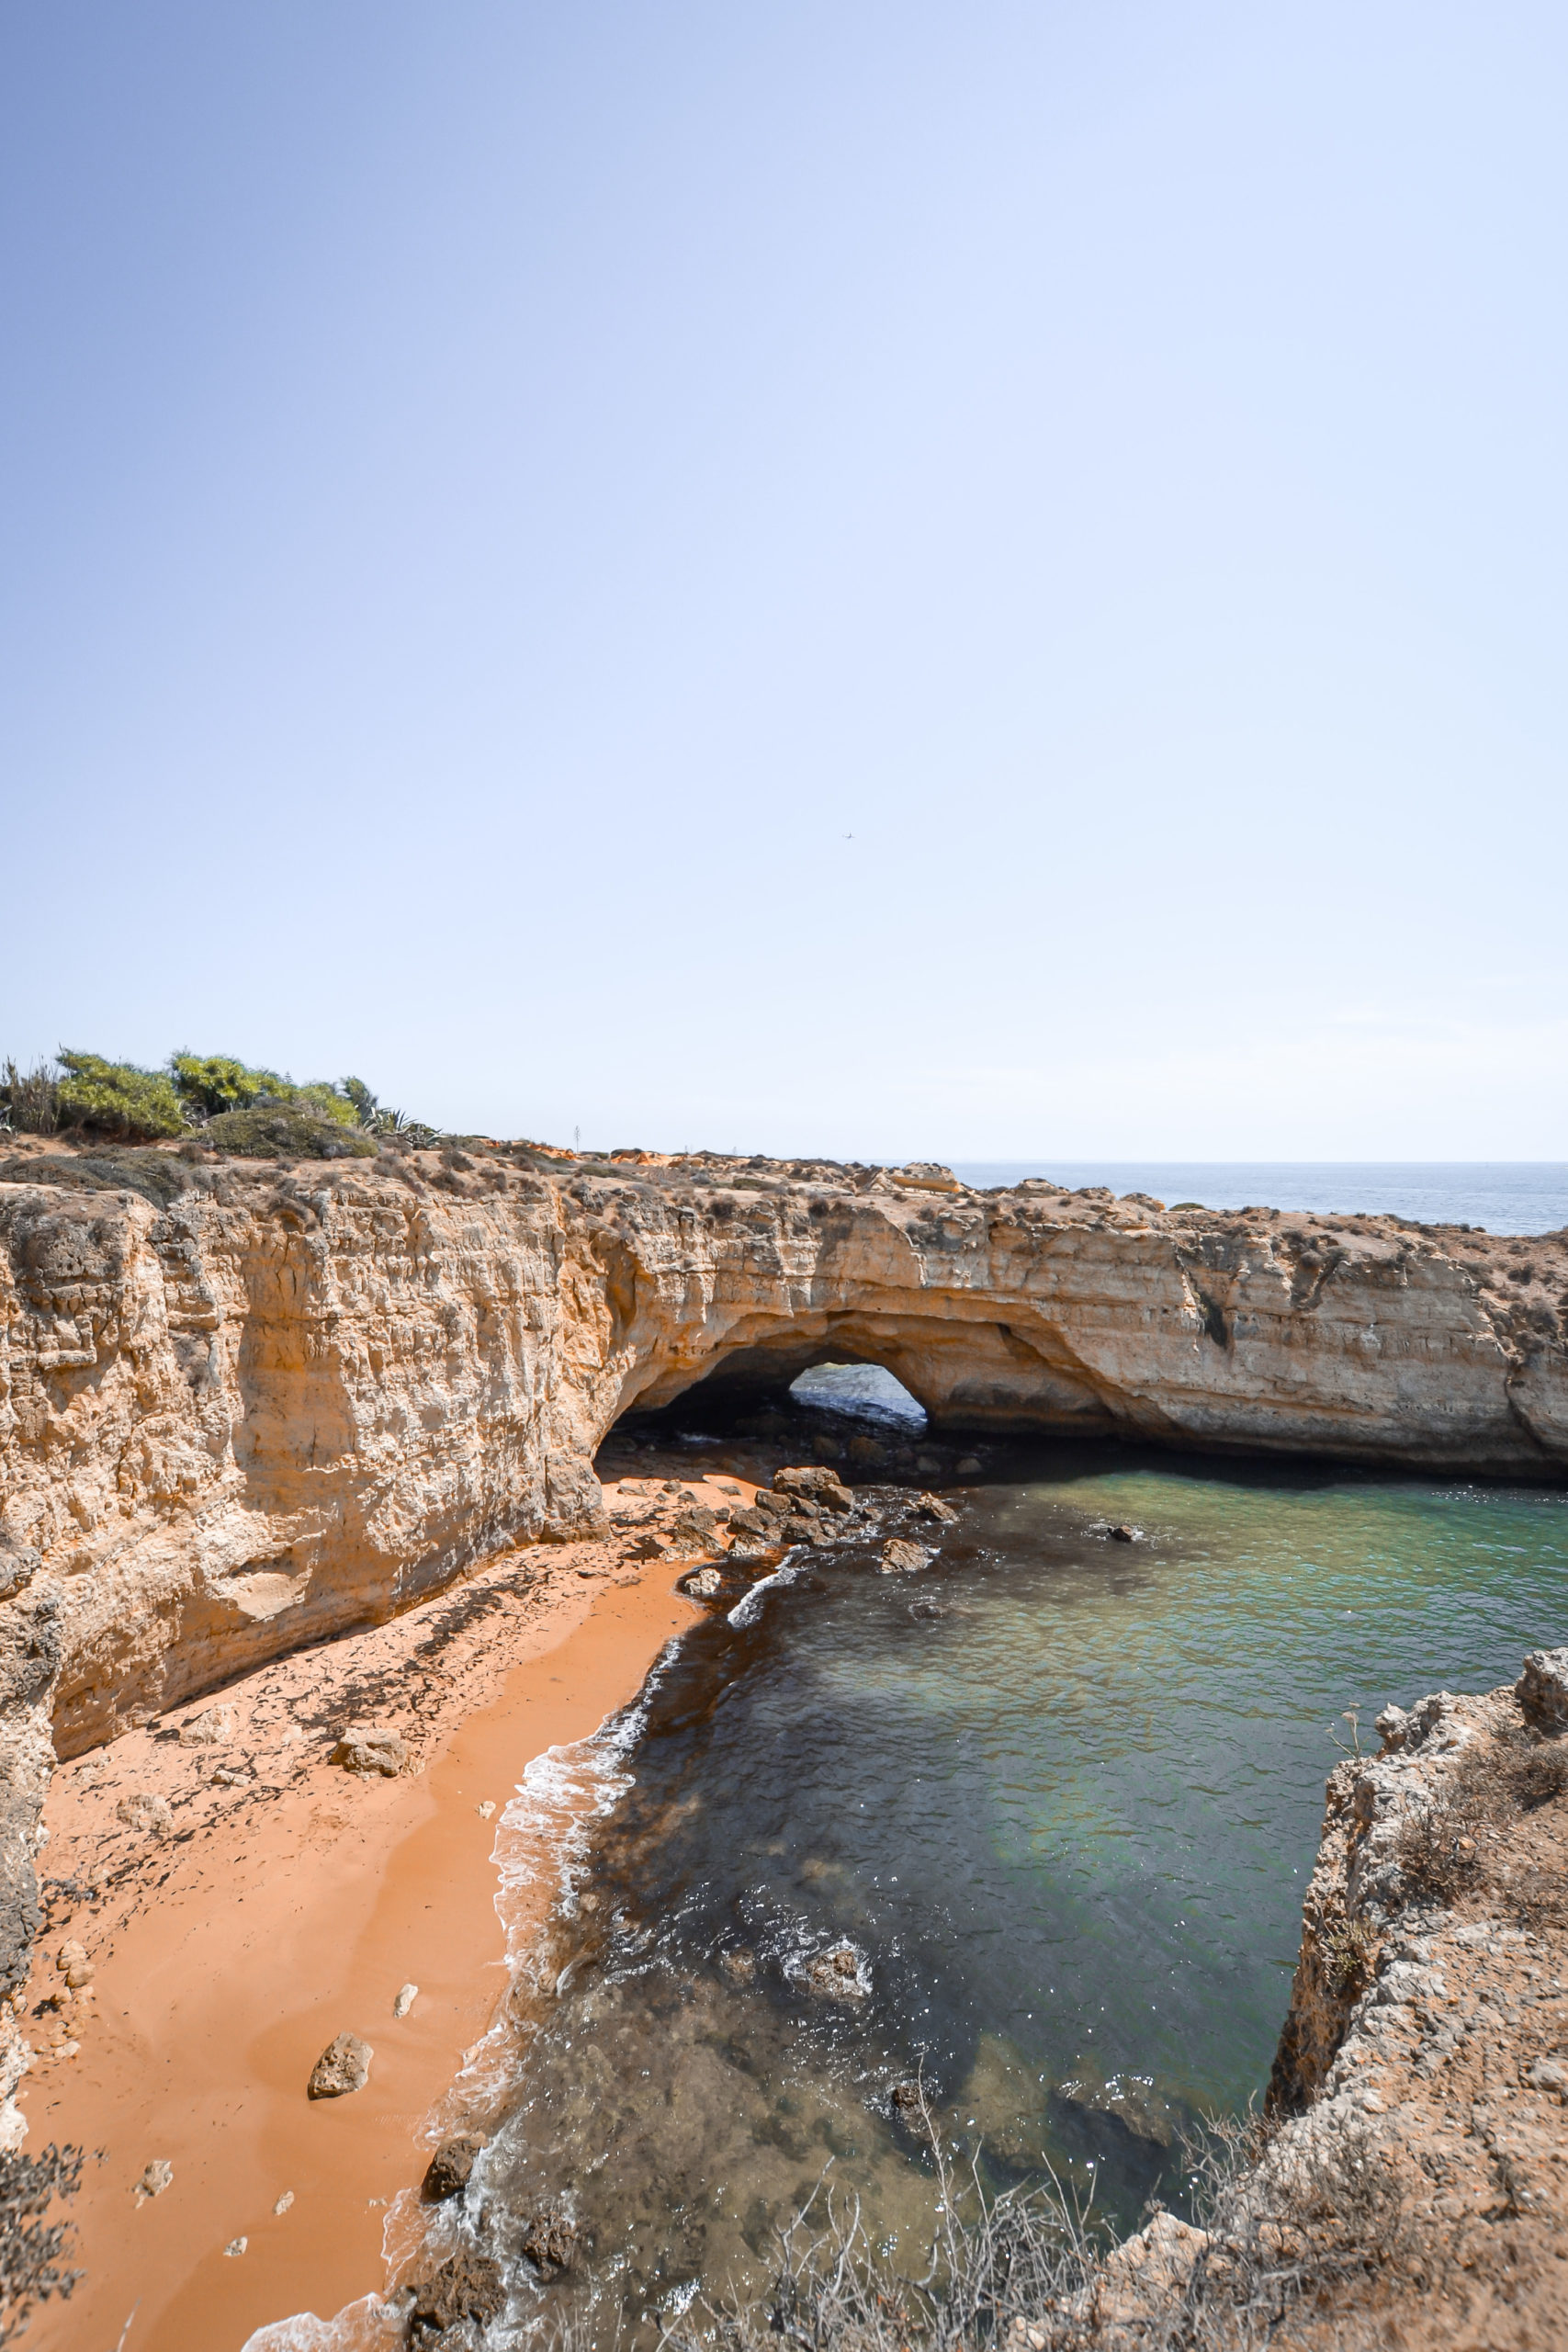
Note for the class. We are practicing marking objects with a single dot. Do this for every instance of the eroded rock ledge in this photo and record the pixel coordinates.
(249, 1406)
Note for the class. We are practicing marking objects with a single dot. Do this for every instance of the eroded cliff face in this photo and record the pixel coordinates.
(294, 1401)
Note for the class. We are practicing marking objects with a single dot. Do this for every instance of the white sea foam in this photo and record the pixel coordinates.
(542, 1836)
(747, 1611)
(369, 2326)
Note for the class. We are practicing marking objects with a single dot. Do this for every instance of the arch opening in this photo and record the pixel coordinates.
(866, 1393)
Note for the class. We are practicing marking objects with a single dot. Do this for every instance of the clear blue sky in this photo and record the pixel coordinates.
(957, 581)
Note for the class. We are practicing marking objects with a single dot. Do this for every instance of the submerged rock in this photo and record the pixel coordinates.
(549, 2241)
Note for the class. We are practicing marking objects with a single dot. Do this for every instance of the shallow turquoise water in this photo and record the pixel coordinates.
(1060, 1793)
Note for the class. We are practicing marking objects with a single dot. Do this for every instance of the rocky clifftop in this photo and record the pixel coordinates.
(245, 1406)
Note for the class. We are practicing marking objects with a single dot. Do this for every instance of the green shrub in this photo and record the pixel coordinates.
(285, 1131)
(214, 1084)
(29, 1100)
(118, 1099)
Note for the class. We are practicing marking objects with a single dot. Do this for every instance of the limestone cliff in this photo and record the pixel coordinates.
(284, 1402)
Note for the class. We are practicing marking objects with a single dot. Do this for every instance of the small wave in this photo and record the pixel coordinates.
(543, 1833)
(369, 2326)
(747, 1611)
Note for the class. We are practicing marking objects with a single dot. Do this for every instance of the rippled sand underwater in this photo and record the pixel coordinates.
(1030, 1828)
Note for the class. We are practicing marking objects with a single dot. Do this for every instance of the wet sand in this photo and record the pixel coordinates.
(273, 1914)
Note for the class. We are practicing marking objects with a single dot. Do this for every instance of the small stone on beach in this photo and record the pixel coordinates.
(407, 1995)
(236, 2246)
(156, 2179)
(143, 1810)
(368, 1750)
(284, 2202)
(485, 1810)
(209, 1730)
(342, 2066)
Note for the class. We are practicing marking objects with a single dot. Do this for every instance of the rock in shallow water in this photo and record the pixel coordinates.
(448, 2170)
(466, 2287)
(549, 2241)
(899, 1558)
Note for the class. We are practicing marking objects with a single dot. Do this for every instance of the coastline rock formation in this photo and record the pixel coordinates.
(248, 1412)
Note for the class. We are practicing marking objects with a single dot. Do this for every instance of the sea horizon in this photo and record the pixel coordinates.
(1503, 1196)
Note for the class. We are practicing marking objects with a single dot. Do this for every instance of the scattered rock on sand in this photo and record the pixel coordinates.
(73, 1965)
(485, 1810)
(899, 1558)
(143, 1810)
(407, 1995)
(466, 2286)
(284, 2202)
(342, 2066)
(158, 2176)
(368, 1750)
(236, 2246)
(209, 1730)
(448, 2170)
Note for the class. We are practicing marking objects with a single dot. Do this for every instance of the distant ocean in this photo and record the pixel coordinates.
(1499, 1195)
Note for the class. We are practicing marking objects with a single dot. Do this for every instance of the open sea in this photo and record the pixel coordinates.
(1500, 1196)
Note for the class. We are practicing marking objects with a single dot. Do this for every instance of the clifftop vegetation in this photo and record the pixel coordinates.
(88, 1095)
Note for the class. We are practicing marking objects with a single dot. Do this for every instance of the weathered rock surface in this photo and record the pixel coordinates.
(1424, 2043)
(1542, 1689)
(241, 1416)
(371, 1750)
(448, 2170)
(466, 2286)
(342, 2066)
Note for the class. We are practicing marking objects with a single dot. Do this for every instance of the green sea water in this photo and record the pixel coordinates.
(1058, 1795)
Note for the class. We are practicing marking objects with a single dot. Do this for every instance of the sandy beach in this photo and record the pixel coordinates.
(280, 1901)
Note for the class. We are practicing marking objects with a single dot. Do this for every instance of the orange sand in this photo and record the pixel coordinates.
(246, 1948)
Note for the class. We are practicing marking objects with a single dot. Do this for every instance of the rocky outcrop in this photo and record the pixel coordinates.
(284, 1402)
(1426, 2049)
